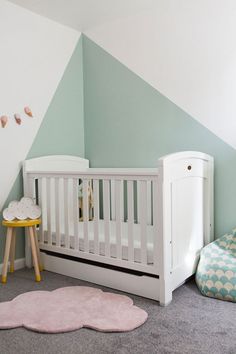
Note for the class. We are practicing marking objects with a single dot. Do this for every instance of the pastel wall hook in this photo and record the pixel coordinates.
(28, 111)
(17, 118)
(4, 120)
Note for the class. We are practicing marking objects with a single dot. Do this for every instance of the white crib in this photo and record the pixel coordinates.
(144, 230)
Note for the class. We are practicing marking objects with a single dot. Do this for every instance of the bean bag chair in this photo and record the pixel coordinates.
(216, 271)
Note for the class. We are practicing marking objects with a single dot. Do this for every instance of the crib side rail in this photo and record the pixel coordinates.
(123, 202)
(101, 173)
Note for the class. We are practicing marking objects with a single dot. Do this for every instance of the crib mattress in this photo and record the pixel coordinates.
(113, 246)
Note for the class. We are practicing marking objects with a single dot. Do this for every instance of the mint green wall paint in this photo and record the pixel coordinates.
(128, 123)
(61, 132)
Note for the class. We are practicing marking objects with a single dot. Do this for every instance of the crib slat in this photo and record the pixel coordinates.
(44, 204)
(113, 200)
(138, 201)
(96, 215)
(57, 213)
(130, 191)
(106, 210)
(31, 194)
(66, 216)
(85, 215)
(40, 202)
(143, 220)
(90, 200)
(119, 199)
(122, 215)
(31, 188)
(49, 225)
(76, 213)
(155, 221)
(149, 204)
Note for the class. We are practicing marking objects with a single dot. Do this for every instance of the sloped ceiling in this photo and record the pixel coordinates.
(84, 14)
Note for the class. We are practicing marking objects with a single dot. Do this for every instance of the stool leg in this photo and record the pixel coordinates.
(6, 254)
(38, 250)
(13, 250)
(34, 253)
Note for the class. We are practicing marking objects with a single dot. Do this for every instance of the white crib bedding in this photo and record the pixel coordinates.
(113, 246)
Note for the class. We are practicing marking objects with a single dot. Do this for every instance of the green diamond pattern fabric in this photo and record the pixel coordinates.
(216, 272)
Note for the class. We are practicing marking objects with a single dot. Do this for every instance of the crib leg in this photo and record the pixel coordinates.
(165, 293)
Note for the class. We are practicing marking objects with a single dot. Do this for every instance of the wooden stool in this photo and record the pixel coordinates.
(30, 225)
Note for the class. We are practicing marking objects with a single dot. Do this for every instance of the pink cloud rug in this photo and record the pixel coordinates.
(71, 308)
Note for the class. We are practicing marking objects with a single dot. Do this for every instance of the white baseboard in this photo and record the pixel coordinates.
(18, 264)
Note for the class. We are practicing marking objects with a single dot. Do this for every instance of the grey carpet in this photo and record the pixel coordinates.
(191, 324)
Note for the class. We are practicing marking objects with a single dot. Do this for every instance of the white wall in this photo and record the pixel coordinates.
(186, 50)
(34, 54)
